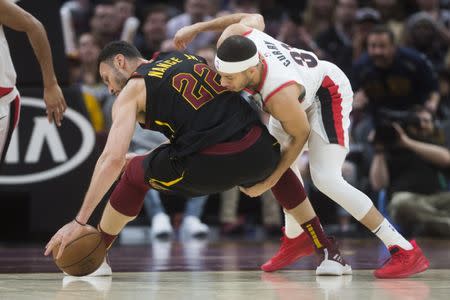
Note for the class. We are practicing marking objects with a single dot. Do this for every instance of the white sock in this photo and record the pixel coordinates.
(390, 236)
(291, 226)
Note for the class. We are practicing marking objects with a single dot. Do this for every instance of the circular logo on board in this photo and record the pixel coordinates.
(41, 151)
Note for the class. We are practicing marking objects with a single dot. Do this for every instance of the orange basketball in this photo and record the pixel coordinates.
(82, 256)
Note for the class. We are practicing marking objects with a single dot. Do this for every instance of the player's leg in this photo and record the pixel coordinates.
(326, 160)
(302, 229)
(125, 202)
(9, 118)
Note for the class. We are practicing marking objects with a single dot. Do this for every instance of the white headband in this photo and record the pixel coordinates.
(236, 67)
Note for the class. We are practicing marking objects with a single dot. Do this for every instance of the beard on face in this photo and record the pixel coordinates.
(119, 78)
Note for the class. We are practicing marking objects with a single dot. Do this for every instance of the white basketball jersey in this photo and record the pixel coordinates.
(7, 71)
(284, 65)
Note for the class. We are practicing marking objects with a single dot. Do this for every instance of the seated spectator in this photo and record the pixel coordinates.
(104, 25)
(336, 41)
(411, 158)
(129, 24)
(392, 15)
(96, 96)
(273, 14)
(75, 16)
(154, 30)
(318, 16)
(366, 19)
(294, 33)
(441, 17)
(393, 77)
(422, 34)
(195, 11)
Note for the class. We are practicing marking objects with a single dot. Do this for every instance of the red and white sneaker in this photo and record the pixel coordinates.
(403, 263)
(290, 251)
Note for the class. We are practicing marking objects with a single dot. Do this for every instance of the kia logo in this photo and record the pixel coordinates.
(39, 151)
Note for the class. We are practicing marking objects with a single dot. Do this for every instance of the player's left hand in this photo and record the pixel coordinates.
(257, 189)
(63, 237)
(55, 102)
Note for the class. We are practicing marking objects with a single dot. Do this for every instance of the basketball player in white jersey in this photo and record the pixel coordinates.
(14, 17)
(301, 91)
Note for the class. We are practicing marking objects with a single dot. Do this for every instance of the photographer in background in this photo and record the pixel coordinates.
(388, 77)
(393, 77)
(411, 156)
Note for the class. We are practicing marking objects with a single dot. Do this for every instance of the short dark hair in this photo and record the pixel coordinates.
(118, 47)
(383, 29)
(236, 48)
(156, 8)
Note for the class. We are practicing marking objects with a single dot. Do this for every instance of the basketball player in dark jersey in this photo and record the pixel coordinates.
(216, 139)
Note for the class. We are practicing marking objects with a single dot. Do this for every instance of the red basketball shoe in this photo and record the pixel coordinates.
(403, 263)
(290, 251)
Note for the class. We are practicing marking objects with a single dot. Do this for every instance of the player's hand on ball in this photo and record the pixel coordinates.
(64, 236)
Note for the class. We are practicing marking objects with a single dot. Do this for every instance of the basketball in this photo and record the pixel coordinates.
(83, 255)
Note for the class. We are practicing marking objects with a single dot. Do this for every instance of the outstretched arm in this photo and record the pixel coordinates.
(109, 164)
(246, 21)
(18, 19)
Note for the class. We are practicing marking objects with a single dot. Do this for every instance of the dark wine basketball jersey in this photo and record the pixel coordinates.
(186, 103)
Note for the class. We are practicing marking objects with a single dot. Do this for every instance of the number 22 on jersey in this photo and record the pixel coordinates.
(198, 91)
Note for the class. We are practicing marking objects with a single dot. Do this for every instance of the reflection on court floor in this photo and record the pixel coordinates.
(199, 269)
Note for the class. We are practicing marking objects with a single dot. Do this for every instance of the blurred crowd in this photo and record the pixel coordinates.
(396, 54)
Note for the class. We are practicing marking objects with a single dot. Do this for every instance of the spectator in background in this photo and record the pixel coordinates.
(88, 51)
(294, 33)
(336, 42)
(441, 17)
(196, 11)
(273, 14)
(410, 164)
(214, 7)
(318, 16)
(75, 16)
(422, 34)
(392, 15)
(125, 9)
(366, 19)
(129, 24)
(154, 29)
(104, 25)
(393, 77)
(96, 96)
(243, 6)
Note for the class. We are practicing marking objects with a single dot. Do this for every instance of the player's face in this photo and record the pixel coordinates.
(235, 82)
(113, 78)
